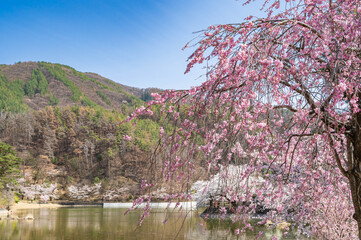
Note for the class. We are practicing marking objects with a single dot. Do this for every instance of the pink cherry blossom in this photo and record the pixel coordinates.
(277, 118)
(127, 138)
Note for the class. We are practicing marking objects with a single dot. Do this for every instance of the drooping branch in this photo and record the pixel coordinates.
(337, 157)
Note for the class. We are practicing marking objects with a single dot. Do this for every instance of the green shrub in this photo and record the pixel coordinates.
(69, 180)
(99, 157)
(130, 197)
(74, 164)
(96, 180)
(87, 102)
(53, 100)
(103, 97)
(76, 109)
(17, 197)
(54, 161)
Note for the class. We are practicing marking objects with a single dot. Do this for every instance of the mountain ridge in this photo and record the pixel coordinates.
(64, 86)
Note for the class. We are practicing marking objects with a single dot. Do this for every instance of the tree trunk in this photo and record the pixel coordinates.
(355, 185)
(354, 169)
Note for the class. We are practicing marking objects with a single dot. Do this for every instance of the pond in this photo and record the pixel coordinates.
(93, 223)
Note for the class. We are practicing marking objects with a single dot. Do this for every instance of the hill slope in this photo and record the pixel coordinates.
(62, 124)
(35, 85)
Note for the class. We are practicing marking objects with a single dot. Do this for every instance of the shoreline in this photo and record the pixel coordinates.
(26, 205)
(23, 205)
(34, 205)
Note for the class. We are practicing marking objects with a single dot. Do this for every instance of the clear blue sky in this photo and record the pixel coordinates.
(133, 42)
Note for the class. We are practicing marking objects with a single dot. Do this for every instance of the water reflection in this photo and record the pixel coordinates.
(99, 223)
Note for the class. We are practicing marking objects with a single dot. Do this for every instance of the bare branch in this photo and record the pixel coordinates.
(289, 107)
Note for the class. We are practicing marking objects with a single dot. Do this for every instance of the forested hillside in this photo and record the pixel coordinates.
(69, 128)
(35, 85)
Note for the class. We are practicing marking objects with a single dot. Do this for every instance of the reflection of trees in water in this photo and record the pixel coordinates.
(99, 223)
(94, 223)
(225, 229)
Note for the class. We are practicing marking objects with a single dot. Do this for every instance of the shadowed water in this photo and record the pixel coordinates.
(101, 223)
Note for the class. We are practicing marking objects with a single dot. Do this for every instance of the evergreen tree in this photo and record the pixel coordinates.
(31, 85)
(42, 82)
(11, 95)
(9, 165)
(37, 84)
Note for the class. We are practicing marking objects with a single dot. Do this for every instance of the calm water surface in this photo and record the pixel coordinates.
(111, 223)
